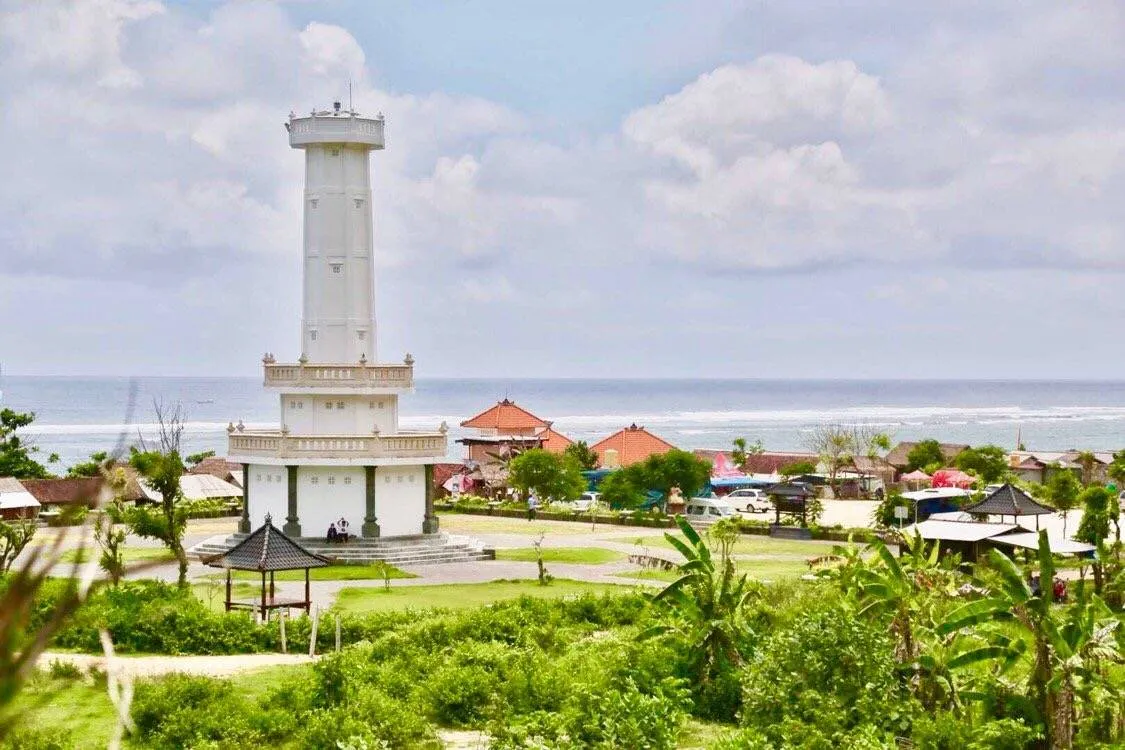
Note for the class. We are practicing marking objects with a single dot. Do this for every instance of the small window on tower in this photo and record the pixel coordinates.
(328, 405)
(347, 480)
(332, 480)
(312, 335)
(339, 404)
(334, 151)
(380, 404)
(361, 335)
(370, 404)
(315, 480)
(358, 202)
(337, 267)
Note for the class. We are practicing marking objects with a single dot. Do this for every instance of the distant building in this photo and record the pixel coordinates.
(16, 501)
(898, 455)
(217, 466)
(769, 462)
(629, 446)
(507, 429)
(1037, 466)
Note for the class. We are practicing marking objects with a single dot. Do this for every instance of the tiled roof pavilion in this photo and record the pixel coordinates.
(266, 551)
(1008, 501)
(506, 418)
(633, 444)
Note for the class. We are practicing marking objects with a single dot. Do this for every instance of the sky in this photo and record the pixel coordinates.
(761, 189)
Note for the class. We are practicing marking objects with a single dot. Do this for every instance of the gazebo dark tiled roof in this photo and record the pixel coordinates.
(267, 549)
(1008, 501)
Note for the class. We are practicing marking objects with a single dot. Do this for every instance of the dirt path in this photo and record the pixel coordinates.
(149, 666)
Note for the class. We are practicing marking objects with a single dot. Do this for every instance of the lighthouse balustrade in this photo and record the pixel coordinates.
(342, 375)
(277, 444)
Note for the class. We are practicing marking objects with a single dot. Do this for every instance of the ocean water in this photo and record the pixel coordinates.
(76, 416)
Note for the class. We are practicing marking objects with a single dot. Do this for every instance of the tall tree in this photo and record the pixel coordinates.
(549, 475)
(676, 468)
(837, 445)
(1116, 470)
(161, 467)
(581, 453)
(742, 451)
(926, 455)
(1062, 492)
(15, 455)
(989, 462)
(92, 467)
(1087, 463)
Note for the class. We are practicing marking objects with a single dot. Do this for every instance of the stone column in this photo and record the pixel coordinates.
(292, 522)
(244, 522)
(370, 522)
(430, 523)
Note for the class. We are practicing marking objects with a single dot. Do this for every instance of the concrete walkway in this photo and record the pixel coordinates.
(148, 666)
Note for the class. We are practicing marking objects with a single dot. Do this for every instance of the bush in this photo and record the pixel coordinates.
(181, 711)
(824, 675)
(31, 738)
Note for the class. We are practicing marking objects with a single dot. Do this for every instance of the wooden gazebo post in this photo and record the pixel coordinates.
(268, 550)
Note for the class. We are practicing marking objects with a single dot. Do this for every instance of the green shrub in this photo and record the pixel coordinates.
(32, 738)
(461, 694)
(824, 674)
(369, 717)
(181, 711)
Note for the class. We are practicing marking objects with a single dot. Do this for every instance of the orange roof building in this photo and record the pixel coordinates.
(506, 427)
(506, 419)
(632, 444)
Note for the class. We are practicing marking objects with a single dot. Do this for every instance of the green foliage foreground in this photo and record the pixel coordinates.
(882, 651)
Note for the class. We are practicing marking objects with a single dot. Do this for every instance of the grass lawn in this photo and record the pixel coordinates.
(581, 555)
(130, 554)
(372, 571)
(459, 595)
(761, 570)
(749, 545)
(461, 523)
(83, 708)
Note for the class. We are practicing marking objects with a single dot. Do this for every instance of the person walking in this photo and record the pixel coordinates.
(532, 506)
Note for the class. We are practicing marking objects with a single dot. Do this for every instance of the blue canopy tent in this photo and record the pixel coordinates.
(594, 477)
(737, 483)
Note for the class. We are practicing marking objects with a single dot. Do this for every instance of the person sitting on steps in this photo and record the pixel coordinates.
(333, 535)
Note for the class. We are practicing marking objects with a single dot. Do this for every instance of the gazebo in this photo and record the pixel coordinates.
(1008, 500)
(268, 550)
(792, 499)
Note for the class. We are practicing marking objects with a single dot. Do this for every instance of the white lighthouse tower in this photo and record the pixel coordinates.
(339, 452)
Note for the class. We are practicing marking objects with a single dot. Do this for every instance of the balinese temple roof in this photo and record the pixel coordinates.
(505, 416)
(633, 444)
(1008, 501)
(267, 549)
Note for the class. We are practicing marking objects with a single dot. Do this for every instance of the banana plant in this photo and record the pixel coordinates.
(707, 603)
(1068, 644)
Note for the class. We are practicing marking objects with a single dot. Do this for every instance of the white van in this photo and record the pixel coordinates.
(707, 510)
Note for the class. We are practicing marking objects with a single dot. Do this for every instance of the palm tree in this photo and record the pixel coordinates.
(707, 602)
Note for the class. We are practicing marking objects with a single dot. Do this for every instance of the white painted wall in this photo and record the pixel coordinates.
(400, 499)
(327, 493)
(309, 415)
(339, 270)
(269, 493)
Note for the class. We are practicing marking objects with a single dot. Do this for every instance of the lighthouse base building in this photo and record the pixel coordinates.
(338, 453)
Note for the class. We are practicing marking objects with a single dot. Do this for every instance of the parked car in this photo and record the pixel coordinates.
(707, 510)
(586, 502)
(750, 501)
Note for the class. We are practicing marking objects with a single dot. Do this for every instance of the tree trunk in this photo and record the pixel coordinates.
(181, 558)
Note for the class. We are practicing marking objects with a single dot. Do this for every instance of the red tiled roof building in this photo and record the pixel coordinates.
(632, 444)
